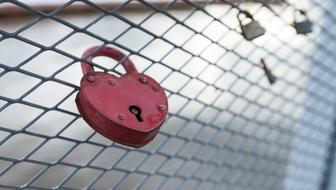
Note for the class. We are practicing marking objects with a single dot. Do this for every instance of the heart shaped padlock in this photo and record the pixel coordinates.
(128, 109)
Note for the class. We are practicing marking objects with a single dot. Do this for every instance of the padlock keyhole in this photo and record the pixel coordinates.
(135, 110)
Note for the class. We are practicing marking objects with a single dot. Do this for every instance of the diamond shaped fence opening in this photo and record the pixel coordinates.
(227, 127)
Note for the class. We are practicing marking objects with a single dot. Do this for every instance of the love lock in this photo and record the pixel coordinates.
(251, 30)
(128, 109)
(302, 27)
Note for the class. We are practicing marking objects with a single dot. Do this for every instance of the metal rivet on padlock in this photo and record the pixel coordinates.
(143, 79)
(123, 109)
(112, 81)
(122, 117)
(251, 30)
(162, 107)
(271, 78)
(91, 78)
(302, 27)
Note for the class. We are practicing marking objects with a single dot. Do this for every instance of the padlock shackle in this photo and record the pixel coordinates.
(302, 12)
(246, 13)
(106, 51)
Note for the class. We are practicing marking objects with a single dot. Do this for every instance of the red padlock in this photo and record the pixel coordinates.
(128, 109)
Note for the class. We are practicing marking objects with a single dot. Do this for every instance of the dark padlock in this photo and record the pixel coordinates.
(270, 77)
(128, 109)
(251, 30)
(302, 27)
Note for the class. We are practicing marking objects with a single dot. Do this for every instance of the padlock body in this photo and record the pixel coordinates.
(252, 30)
(104, 101)
(304, 27)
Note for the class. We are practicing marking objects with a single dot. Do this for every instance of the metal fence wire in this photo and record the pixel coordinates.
(228, 127)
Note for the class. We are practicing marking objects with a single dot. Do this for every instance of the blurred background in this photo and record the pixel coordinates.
(228, 127)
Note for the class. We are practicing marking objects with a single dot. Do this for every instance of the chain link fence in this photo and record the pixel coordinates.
(227, 128)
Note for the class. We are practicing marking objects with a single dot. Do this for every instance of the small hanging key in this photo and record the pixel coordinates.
(302, 27)
(128, 109)
(271, 78)
(251, 30)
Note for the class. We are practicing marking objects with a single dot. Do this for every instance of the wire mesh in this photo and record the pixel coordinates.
(228, 128)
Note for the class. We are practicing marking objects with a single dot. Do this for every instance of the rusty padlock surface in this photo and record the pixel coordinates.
(302, 27)
(251, 30)
(128, 109)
